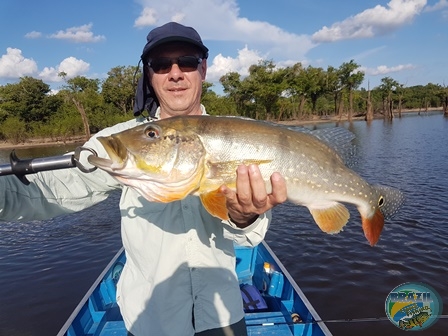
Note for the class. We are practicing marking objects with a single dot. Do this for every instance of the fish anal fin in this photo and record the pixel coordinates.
(373, 226)
(332, 218)
(215, 203)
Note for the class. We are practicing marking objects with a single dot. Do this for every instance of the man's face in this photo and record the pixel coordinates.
(179, 92)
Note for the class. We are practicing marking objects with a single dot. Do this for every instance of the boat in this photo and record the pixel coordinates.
(284, 311)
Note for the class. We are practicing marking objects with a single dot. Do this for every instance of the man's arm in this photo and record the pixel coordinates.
(52, 193)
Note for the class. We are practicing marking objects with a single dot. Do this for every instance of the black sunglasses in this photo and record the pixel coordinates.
(162, 65)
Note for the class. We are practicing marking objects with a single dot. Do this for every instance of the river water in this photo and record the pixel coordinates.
(47, 266)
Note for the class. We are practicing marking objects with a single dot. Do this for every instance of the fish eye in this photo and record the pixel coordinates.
(151, 133)
(381, 201)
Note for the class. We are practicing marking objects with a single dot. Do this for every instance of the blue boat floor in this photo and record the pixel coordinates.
(114, 328)
(257, 324)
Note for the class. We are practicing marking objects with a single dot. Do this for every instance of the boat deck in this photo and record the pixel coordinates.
(98, 313)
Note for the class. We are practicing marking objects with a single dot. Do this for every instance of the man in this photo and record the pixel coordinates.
(179, 278)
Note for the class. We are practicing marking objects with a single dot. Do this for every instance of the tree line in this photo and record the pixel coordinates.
(84, 106)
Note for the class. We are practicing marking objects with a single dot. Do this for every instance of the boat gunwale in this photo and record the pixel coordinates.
(86, 297)
(299, 291)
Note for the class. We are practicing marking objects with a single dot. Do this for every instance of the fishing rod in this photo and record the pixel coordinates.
(20, 168)
(298, 321)
(365, 319)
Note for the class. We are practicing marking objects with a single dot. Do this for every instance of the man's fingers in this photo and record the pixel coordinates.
(243, 185)
(279, 191)
(251, 197)
(259, 196)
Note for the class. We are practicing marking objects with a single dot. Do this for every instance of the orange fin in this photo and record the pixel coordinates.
(373, 226)
(215, 203)
(332, 218)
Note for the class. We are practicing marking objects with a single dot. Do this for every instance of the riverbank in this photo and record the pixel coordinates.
(42, 142)
(81, 139)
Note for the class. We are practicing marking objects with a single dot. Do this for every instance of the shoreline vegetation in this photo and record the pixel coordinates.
(80, 139)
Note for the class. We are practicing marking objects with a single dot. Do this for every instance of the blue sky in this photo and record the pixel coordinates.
(403, 39)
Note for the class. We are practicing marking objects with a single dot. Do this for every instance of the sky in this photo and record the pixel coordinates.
(403, 39)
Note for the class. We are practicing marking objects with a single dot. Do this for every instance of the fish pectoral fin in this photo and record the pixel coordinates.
(228, 168)
(215, 203)
(373, 226)
(332, 218)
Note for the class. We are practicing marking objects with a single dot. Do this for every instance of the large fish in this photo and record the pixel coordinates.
(167, 160)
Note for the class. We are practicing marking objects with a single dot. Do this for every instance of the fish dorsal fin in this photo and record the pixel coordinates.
(332, 218)
(215, 203)
(339, 139)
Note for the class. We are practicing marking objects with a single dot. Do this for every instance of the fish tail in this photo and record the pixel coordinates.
(390, 200)
(373, 226)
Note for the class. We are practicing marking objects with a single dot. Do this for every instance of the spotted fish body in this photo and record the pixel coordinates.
(169, 159)
(416, 321)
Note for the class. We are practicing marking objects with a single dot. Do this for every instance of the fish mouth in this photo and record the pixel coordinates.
(115, 149)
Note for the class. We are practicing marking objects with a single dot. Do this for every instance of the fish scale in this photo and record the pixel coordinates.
(195, 155)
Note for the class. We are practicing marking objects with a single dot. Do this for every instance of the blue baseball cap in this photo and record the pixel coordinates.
(173, 32)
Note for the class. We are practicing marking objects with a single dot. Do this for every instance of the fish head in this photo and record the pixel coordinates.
(163, 163)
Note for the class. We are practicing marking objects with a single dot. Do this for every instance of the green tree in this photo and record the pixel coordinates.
(83, 92)
(315, 84)
(215, 104)
(388, 87)
(231, 84)
(266, 84)
(13, 129)
(334, 86)
(296, 87)
(119, 88)
(350, 79)
(26, 100)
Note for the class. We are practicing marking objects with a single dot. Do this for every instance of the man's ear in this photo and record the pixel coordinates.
(204, 68)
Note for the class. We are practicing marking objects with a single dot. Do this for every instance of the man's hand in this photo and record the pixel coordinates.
(251, 198)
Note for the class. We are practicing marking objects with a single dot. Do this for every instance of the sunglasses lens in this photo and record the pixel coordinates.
(163, 65)
(188, 63)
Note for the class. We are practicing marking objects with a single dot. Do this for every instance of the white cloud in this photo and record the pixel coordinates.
(33, 35)
(373, 21)
(220, 20)
(222, 65)
(14, 65)
(78, 34)
(384, 69)
(146, 18)
(71, 66)
(438, 6)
